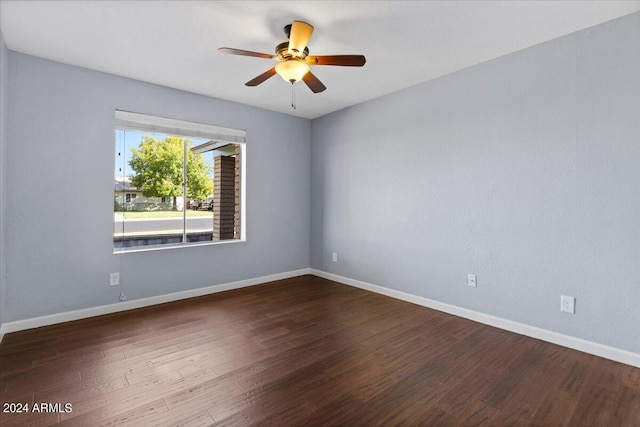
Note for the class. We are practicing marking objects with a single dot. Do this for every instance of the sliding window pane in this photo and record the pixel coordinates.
(150, 200)
(221, 160)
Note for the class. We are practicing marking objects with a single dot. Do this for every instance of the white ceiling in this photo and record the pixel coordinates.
(174, 43)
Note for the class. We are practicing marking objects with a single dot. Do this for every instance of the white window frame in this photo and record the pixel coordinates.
(126, 120)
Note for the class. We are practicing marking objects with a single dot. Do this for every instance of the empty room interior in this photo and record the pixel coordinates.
(331, 213)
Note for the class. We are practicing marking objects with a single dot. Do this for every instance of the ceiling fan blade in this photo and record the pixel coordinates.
(233, 51)
(299, 37)
(343, 60)
(261, 78)
(314, 84)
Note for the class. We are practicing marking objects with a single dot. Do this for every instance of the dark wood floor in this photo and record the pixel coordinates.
(306, 351)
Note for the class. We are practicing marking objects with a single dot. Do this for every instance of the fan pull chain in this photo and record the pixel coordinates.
(293, 96)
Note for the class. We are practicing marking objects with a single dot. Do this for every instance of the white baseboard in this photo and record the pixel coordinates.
(590, 347)
(36, 322)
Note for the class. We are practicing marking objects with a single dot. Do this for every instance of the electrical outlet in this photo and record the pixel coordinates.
(114, 279)
(568, 304)
(471, 280)
(334, 257)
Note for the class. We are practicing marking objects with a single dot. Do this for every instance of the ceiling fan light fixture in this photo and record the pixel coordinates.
(292, 70)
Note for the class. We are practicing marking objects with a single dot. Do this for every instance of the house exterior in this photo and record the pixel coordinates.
(129, 198)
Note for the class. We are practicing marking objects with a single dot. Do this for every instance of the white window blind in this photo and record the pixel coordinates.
(145, 123)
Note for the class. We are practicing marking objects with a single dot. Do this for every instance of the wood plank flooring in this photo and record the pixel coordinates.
(310, 352)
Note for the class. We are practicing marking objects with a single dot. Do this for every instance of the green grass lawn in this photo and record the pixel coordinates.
(165, 214)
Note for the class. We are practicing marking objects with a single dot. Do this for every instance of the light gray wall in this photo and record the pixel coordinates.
(4, 71)
(60, 192)
(524, 170)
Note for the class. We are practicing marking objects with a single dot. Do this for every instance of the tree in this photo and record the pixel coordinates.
(158, 166)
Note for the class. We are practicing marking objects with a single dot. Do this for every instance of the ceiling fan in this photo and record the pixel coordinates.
(294, 60)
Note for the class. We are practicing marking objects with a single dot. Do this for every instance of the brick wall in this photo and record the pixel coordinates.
(224, 196)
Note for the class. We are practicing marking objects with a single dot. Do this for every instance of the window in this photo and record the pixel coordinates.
(176, 183)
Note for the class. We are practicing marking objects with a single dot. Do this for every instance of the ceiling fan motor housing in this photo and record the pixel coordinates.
(282, 51)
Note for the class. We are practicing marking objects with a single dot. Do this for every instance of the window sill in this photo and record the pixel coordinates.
(174, 246)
